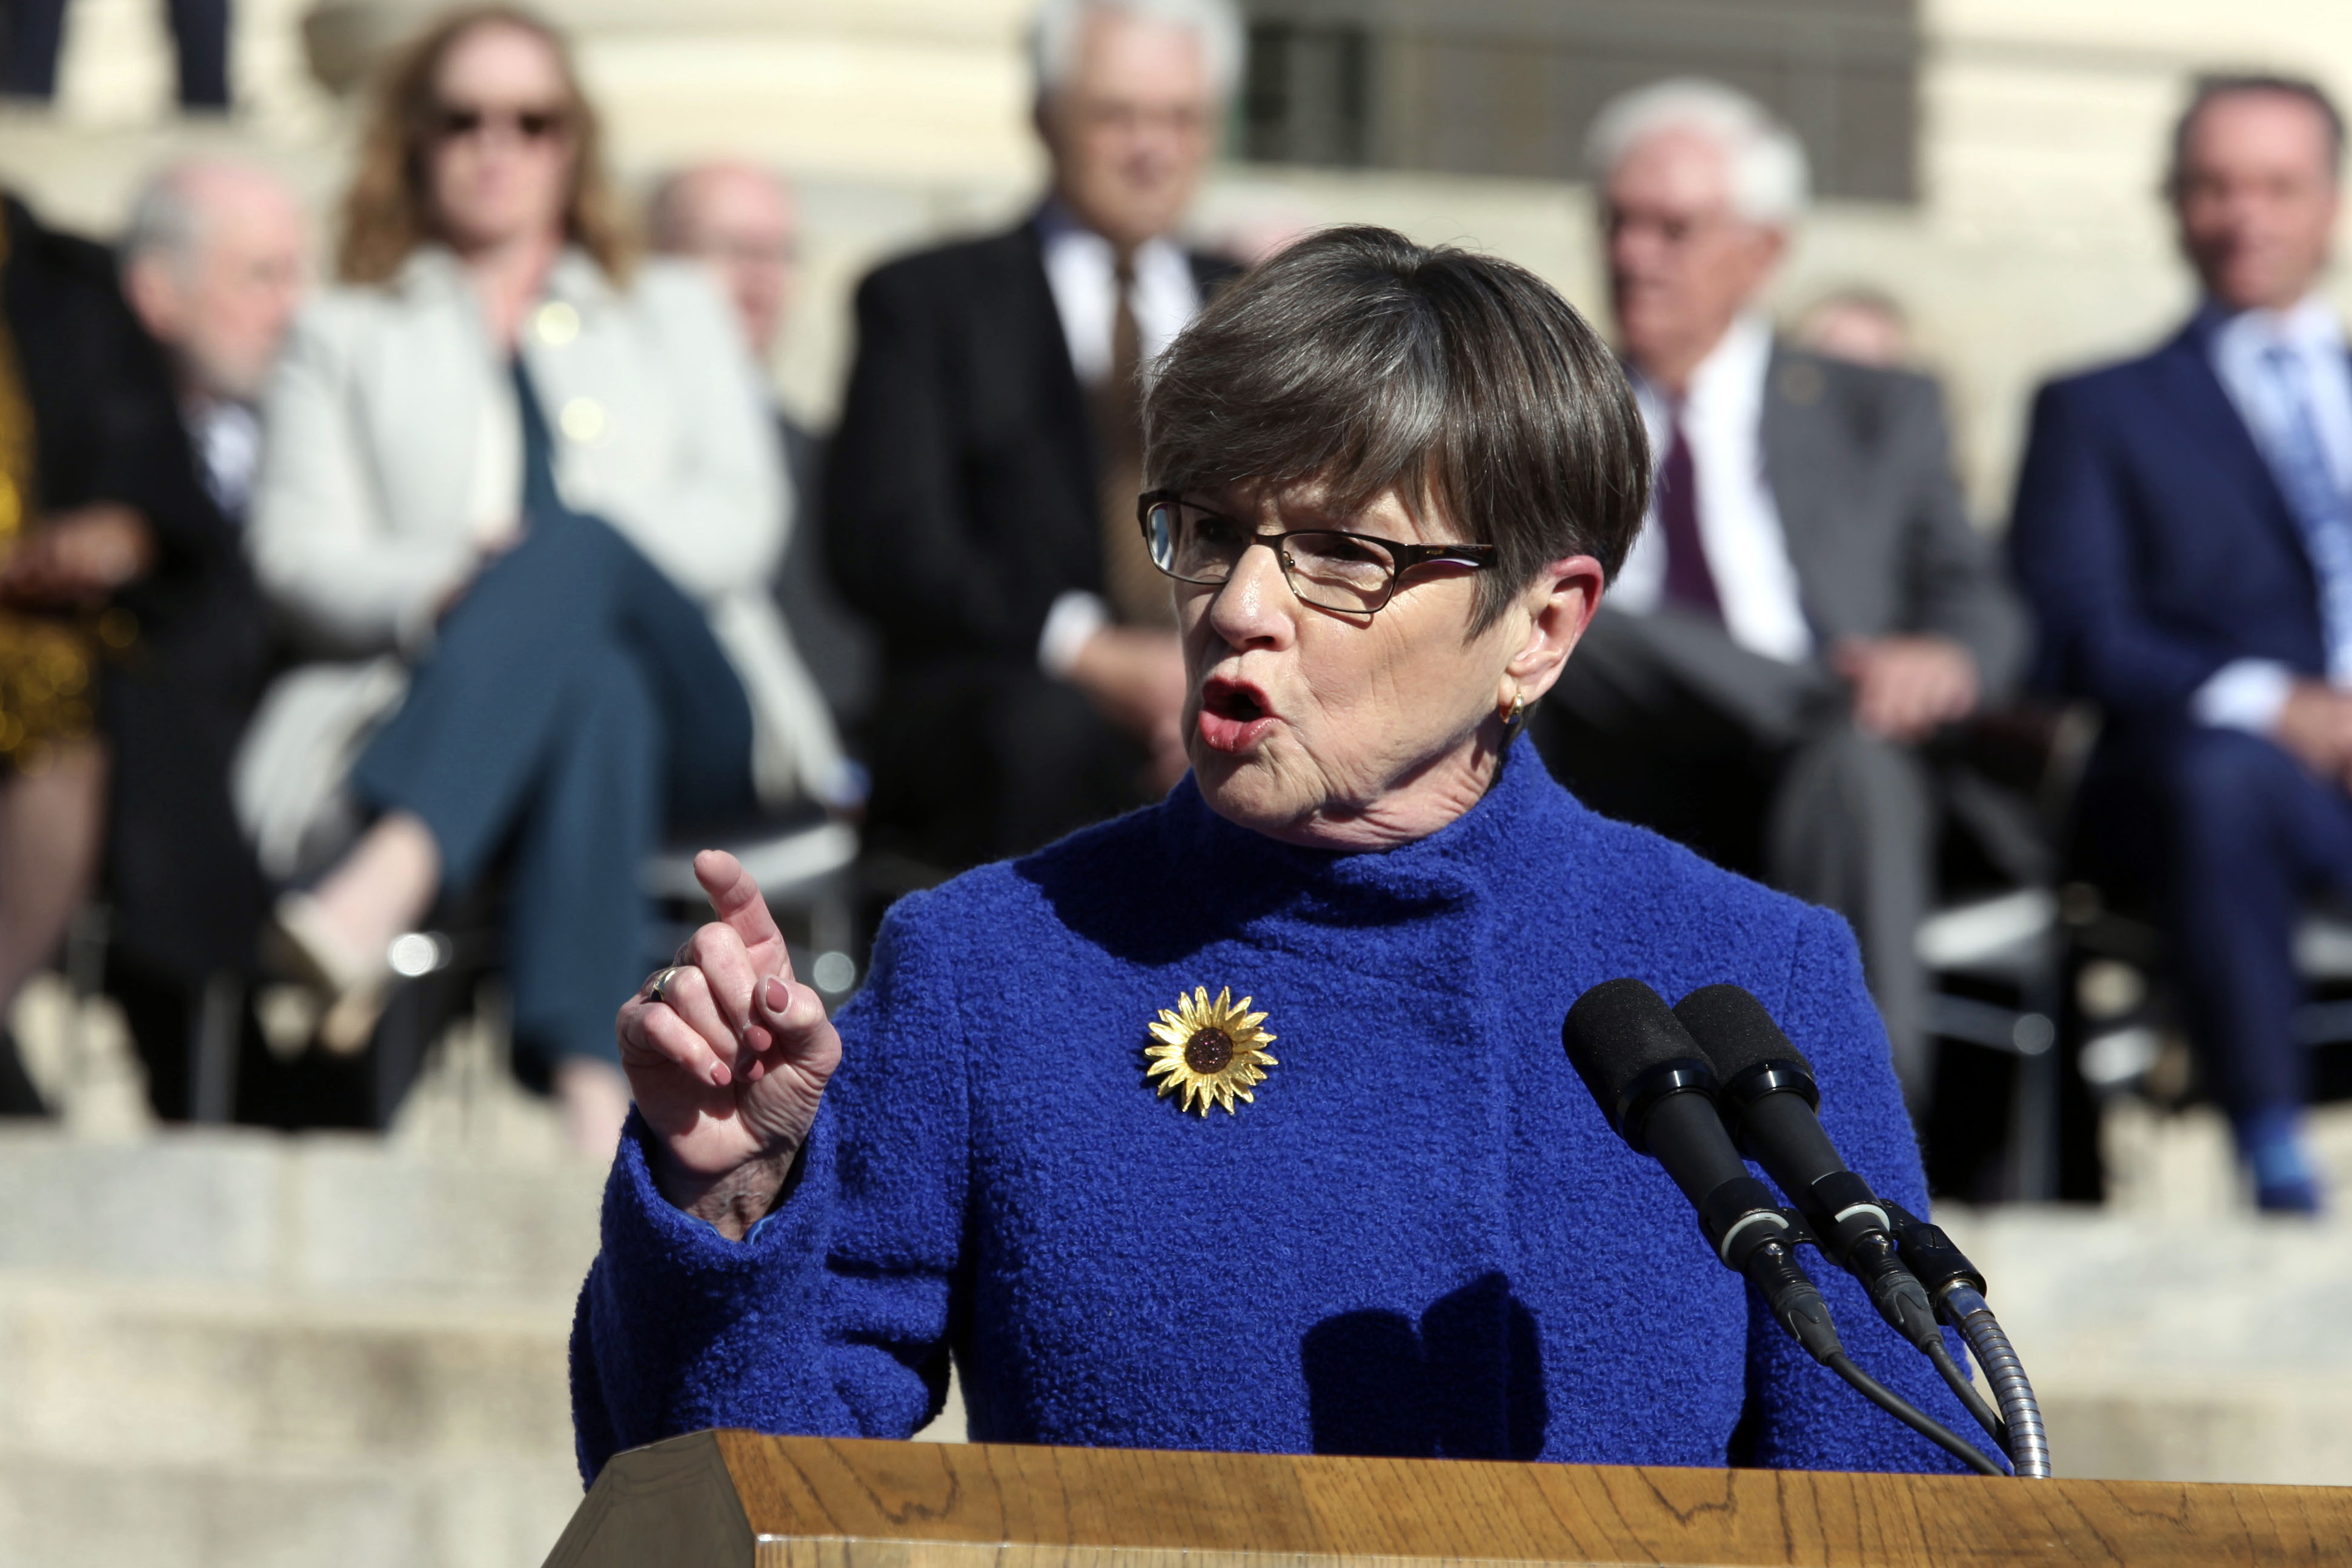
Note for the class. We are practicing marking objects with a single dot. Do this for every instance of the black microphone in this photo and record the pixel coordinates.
(1657, 1089)
(1768, 1099)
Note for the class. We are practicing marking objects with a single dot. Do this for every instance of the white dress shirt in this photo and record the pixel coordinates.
(1738, 520)
(2247, 694)
(228, 451)
(1082, 270)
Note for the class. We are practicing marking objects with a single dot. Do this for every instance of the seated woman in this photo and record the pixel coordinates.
(1242, 1121)
(108, 554)
(528, 495)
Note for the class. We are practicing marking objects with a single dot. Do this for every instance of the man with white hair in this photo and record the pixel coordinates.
(213, 262)
(980, 492)
(1809, 605)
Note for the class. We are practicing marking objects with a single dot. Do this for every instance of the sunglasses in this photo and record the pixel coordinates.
(455, 123)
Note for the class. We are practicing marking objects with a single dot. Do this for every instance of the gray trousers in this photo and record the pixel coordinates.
(1662, 719)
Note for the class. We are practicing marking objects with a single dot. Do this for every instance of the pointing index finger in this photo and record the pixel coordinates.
(735, 897)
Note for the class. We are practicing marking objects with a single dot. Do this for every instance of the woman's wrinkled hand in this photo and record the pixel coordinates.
(728, 1065)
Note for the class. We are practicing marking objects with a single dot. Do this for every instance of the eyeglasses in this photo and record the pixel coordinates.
(1352, 573)
(457, 121)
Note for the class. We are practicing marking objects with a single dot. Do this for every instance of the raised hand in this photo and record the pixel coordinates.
(729, 1060)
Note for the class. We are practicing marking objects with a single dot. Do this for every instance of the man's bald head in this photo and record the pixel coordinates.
(743, 222)
(214, 261)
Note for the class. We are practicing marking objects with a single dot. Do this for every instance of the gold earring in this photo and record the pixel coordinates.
(1517, 715)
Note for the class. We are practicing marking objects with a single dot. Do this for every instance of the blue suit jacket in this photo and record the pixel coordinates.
(2152, 539)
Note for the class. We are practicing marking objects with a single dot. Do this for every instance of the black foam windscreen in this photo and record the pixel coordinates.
(1736, 1031)
(1617, 1032)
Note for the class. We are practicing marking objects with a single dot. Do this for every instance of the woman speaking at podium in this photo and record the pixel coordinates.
(1242, 1121)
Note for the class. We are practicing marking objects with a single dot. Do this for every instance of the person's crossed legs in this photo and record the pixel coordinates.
(2253, 836)
(576, 701)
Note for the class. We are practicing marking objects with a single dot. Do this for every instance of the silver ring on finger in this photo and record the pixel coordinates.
(655, 986)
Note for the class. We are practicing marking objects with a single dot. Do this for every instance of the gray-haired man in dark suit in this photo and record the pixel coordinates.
(1808, 603)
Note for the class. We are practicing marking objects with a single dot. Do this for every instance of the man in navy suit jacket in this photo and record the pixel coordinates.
(2184, 529)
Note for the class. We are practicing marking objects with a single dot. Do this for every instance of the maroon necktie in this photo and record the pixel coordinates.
(1689, 581)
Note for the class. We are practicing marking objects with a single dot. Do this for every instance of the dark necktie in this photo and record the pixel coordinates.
(1137, 592)
(1689, 581)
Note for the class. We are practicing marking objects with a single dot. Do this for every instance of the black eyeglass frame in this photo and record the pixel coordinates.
(1403, 557)
(458, 122)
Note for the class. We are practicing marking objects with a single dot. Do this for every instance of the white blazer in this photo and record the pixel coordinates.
(392, 460)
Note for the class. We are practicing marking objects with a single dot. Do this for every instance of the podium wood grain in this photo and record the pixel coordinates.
(738, 1499)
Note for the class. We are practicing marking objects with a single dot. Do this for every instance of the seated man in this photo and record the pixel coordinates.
(213, 263)
(981, 489)
(1808, 602)
(742, 222)
(2184, 528)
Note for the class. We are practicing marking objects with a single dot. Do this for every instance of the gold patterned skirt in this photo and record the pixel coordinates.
(45, 696)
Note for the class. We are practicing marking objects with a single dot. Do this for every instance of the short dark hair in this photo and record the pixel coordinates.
(2233, 84)
(1360, 359)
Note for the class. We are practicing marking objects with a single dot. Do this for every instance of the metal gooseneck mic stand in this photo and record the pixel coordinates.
(1958, 1290)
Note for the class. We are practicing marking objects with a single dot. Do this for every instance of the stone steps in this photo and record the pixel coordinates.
(226, 1349)
(476, 1511)
(323, 1214)
(2207, 1349)
(183, 1373)
(231, 1348)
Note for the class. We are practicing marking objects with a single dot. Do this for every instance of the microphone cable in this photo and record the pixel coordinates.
(1658, 1092)
(1799, 1307)
(1964, 1388)
(1910, 1415)
(1958, 1292)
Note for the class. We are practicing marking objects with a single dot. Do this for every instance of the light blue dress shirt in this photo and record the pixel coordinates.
(2281, 369)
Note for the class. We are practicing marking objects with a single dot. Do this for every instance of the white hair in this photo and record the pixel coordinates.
(165, 223)
(171, 219)
(1053, 36)
(1769, 180)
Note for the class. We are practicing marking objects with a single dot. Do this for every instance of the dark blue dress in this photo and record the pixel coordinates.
(1419, 1238)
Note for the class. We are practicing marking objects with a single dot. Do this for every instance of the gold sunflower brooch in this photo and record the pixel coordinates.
(1209, 1051)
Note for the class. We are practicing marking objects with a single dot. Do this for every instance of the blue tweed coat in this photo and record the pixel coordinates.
(1420, 1238)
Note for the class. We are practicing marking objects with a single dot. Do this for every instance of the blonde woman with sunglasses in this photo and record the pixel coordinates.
(521, 500)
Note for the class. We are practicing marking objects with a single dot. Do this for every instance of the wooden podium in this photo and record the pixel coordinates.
(737, 1499)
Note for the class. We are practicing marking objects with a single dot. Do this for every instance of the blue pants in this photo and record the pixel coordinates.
(574, 708)
(2252, 835)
